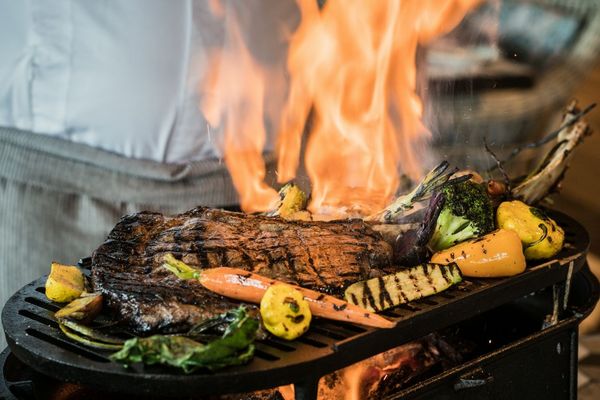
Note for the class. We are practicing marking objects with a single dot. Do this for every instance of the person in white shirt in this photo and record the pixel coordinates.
(99, 117)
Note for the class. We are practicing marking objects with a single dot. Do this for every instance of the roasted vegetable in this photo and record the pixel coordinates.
(284, 311)
(84, 309)
(541, 236)
(89, 336)
(179, 268)
(496, 189)
(245, 286)
(65, 283)
(86, 339)
(467, 213)
(381, 293)
(432, 182)
(410, 247)
(242, 285)
(547, 175)
(496, 254)
(292, 201)
(234, 347)
(473, 175)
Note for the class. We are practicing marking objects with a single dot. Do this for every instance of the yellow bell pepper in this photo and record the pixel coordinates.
(496, 254)
(284, 311)
(541, 236)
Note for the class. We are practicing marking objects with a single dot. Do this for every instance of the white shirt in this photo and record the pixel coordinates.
(122, 75)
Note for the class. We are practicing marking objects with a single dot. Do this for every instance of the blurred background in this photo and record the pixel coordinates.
(523, 62)
(506, 74)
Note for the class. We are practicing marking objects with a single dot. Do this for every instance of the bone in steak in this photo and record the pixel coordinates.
(325, 256)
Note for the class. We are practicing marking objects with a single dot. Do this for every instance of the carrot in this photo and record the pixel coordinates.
(246, 286)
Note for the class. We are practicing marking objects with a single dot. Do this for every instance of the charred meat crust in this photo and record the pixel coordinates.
(325, 256)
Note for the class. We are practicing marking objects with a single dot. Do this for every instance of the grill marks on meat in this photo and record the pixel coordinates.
(325, 256)
(296, 252)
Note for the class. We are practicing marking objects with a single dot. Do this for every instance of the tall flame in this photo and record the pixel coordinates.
(234, 90)
(353, 64)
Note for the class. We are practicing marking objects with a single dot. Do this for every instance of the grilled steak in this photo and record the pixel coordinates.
(325, 256)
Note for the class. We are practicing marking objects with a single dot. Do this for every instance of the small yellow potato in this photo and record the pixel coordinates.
(293, 200)
(284, 311)
(541, 236)
(65, 283)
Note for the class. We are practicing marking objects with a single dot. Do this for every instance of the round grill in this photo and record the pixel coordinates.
(34, 337)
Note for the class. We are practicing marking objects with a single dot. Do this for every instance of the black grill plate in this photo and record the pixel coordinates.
(33, 335)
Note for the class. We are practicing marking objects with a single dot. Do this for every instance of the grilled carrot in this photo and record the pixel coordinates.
(246, 286)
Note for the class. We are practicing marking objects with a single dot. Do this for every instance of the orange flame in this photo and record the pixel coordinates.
(353, 64)
(233, 97)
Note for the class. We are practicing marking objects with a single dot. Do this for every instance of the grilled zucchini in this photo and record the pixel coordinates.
(387, 291)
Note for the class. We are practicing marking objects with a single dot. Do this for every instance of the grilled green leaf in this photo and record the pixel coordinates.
(233, 348)
(86, 340)
(90, 333)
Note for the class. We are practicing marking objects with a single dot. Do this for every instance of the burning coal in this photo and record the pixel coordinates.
(352, 66)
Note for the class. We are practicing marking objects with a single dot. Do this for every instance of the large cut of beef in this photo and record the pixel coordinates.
(325, 256)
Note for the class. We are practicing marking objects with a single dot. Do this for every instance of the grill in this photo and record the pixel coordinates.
(34, 338)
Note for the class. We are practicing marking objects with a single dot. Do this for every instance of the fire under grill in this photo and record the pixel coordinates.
(36, 340)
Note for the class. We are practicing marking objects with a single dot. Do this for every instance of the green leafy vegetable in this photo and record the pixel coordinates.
(234, 347)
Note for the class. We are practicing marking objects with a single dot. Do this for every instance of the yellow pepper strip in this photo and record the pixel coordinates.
(496, 254)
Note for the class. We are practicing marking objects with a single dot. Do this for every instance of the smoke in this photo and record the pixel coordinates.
(452, 96)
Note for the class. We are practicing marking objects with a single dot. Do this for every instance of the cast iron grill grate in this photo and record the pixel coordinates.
(34, 336)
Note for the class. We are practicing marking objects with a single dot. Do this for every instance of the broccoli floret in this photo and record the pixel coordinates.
(467, 213)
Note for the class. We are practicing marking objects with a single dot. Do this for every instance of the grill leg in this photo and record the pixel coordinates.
(306, 389)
